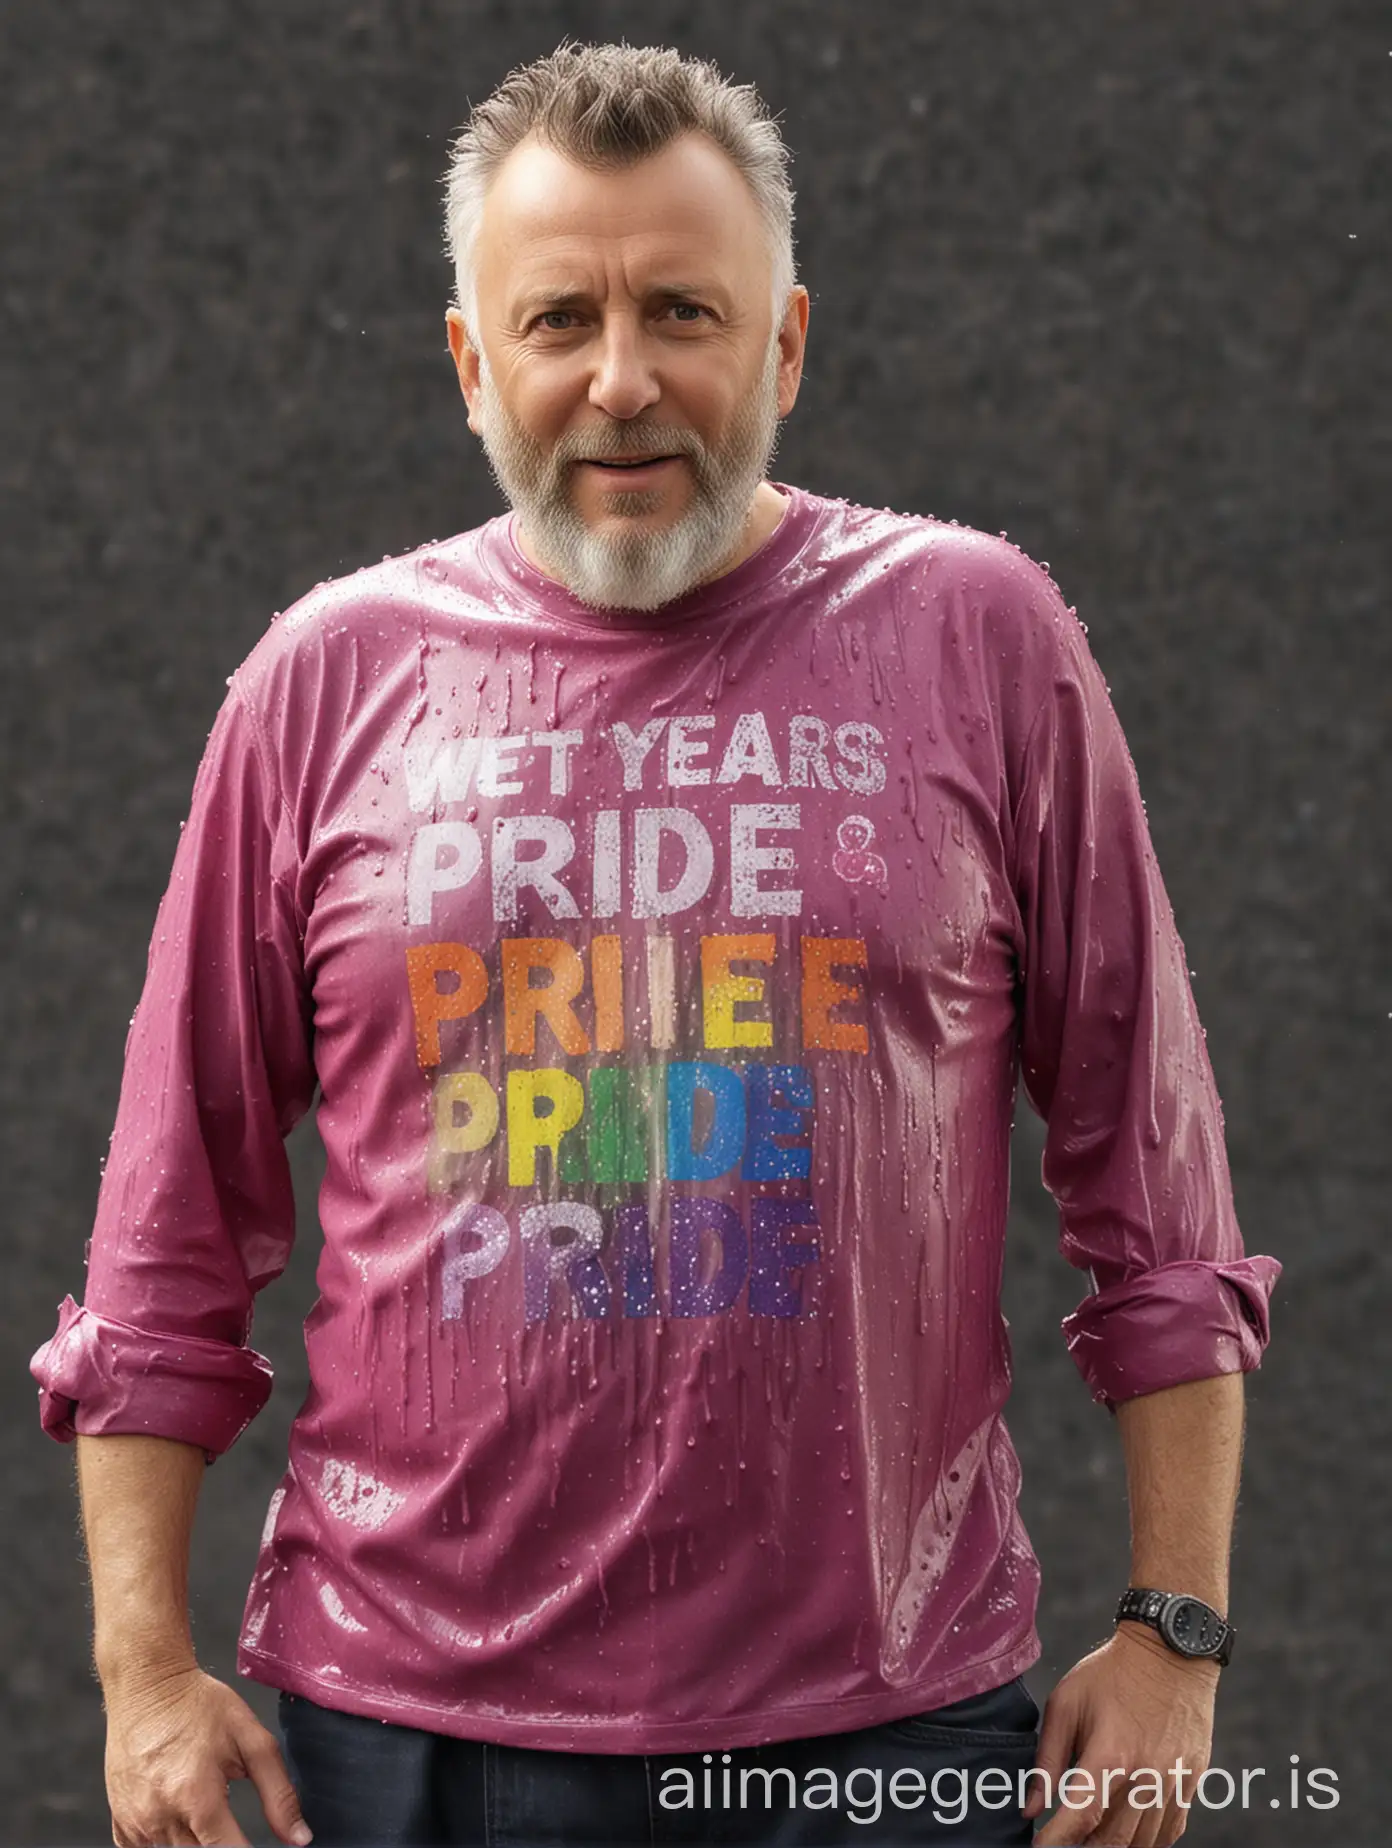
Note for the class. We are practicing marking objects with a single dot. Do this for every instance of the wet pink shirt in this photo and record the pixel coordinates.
(666, 980)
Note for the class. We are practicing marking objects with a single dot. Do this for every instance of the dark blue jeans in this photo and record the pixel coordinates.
(915, 1780)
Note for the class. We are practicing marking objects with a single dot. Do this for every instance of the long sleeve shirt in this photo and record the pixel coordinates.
(666, 981)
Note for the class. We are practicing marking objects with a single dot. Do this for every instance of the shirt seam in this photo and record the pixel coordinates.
(260, 745)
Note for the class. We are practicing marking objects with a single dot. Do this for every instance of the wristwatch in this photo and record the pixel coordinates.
(1187, 1625)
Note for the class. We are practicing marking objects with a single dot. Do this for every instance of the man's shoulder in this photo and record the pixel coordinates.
(370, 600)
(959, 571)
(993, 561)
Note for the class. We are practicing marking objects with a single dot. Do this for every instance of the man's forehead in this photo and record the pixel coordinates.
(684, 208)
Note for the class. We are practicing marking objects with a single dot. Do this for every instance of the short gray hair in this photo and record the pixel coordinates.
(610, 106)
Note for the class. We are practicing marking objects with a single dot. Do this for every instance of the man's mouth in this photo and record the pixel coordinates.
(623, 464)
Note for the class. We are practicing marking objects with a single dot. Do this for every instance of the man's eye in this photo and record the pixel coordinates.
(555, 320)
(687, 311)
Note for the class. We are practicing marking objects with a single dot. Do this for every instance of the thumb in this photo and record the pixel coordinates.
(1055, 1751)
(266, 1769)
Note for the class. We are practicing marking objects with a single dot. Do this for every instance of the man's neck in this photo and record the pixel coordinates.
(765, 514)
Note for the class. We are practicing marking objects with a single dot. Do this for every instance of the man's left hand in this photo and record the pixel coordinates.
(1127, 1714)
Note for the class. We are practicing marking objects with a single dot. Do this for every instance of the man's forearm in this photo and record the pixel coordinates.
(1183, 1451)
(139, 1495)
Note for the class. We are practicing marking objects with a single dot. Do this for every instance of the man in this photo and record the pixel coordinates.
(664, 886)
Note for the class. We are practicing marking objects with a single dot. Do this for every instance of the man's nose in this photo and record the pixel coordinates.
(623, 382)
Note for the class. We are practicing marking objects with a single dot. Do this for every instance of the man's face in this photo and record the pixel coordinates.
(632, 373)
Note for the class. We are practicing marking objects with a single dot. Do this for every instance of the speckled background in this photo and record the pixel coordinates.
(1113, 279)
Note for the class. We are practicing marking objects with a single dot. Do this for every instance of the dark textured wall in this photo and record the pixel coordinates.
(1112, 278)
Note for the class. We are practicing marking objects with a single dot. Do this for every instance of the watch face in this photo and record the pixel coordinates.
(1192, 1627)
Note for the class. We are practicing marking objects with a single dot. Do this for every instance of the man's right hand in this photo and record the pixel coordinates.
(173, 1742)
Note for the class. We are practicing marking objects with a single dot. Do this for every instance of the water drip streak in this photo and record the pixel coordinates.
(913, 790)
(422, 699)
(405, 1357)
(428, 1350)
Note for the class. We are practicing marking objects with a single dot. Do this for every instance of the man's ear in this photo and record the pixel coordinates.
(792, 344)
(466, 363)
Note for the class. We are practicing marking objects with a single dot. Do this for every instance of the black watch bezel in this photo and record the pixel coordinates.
(1161, 1611)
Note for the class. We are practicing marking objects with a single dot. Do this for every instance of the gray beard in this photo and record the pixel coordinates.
(638, 570)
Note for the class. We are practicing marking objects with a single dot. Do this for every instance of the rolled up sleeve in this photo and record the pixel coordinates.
(1113, 1059)
(127, 1379)
(196, 1211)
